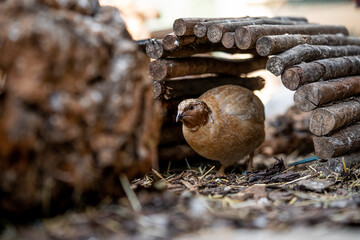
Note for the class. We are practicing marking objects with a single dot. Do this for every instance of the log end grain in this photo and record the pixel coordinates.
(307, 98)
(158, 90)
(264, 46)
(154, 49)
(214, 33)
(291, 78)
(243, 38)
(200, 30)
(275, 65)
(170, 42)
(322, 149)
(321, 122)
(228, 40)
(179, 27)
(158, 70)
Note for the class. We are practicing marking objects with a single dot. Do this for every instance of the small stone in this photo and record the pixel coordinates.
(314, 185)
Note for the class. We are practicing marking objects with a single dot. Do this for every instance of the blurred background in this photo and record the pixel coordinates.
(147, 19)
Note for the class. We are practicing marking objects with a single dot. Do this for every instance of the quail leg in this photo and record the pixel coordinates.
(220, 172)
(250, 162)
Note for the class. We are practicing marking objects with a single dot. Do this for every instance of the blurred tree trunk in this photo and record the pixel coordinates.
(76, 105)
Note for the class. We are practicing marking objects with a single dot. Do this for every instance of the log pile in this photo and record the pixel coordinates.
(178, 74)
(76, 106)
(324, 70)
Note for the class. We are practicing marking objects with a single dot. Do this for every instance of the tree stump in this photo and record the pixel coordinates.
(76, 106)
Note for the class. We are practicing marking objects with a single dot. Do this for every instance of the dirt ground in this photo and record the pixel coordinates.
(276, 203)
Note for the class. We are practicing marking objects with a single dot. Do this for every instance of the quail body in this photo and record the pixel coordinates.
(225, 123)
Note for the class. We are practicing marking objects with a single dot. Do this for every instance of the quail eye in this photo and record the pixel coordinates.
(191, 107)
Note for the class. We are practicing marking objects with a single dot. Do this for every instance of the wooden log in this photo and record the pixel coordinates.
(200, 29)
(191, 87)
(345, 141)
(314, 95)
(328, 119)
(163, 69)
(71, 121)
(155, 49)
(336, 164)
(171, 41)
(246, 36)
(228, 39)
(291, 18)
(268, 45)
(215, 31)
(185, 26)
(324, 69)
(306, 53)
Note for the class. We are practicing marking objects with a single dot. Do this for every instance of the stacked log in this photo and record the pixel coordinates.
(324, 70)
(178, 74)
(76, 106)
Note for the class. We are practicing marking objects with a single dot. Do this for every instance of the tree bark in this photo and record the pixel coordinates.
(163, 69)
(191, 87)
(185, 26)
(155, 49)
(215, 31)
(171, 41)
(345, 141)
(328, 119)
(269, 45)
(336, 164)
(306, 53)
(314, 95)
(246, 37)
(324, 69)
(201, 28)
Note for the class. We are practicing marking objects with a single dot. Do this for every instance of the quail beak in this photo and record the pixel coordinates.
(179, 116)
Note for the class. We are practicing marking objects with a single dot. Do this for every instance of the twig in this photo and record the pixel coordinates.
(189, 186)
(299, 179)
(168, 168)
(293, 200)
(159, 175)
(311, 167)
(177, 177)
(207, 172)
(130, 194)
(288, 169)
(187, 164)
(169, 177)
(344, 164)
(202, 170)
